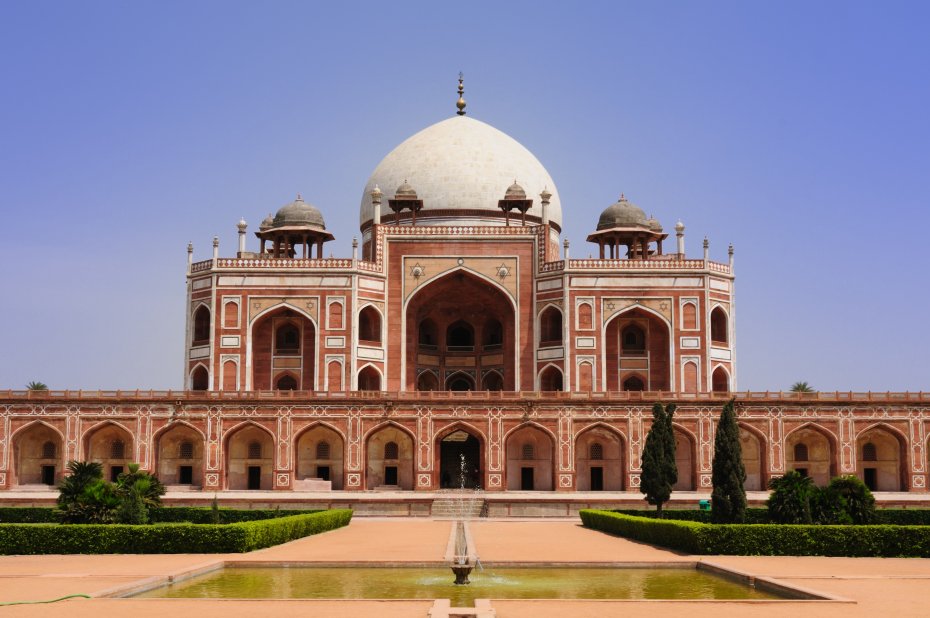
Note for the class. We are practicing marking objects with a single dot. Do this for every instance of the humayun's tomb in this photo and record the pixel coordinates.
(459, 326)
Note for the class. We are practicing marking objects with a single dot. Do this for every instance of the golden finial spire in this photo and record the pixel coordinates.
(461, 102)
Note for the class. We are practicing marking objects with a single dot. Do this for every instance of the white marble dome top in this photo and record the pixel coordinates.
(460, 164)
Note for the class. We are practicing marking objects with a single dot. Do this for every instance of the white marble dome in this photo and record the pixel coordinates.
(461, 164)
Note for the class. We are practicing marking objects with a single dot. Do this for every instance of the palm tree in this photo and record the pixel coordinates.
(802, 387)
(36, 386)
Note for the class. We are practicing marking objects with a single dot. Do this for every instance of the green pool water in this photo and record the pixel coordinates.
(436, 583)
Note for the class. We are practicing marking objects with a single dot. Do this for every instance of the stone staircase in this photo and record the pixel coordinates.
(466, 505)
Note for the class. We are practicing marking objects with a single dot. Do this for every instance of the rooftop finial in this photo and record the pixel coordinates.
(461, 102)
(299, 197)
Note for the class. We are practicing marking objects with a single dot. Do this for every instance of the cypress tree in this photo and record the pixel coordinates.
(728, 500)
(658, 465)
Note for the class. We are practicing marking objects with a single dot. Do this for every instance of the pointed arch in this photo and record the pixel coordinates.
(755, 463)
(360, 377)
(550, 378)
(460, 462)
(314, 462)
(246, 469)
(199, 378)
(459, 377)
(599, 458)
(550, 320)
(539, 471)
(175, 424)
(686, 460)
(34, 462)
(720, 380)
(370, 324)
(397, 472)
(719, 325)
(822, 449)
(660, 349)
(171, 466)
(201, 317)
(886, 468)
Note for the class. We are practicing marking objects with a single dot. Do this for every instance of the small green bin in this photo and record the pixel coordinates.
(704, 505)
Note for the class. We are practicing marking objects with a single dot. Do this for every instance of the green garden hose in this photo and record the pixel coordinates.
(70, 596)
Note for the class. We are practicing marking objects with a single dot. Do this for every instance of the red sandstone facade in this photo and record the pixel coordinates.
(460, 348)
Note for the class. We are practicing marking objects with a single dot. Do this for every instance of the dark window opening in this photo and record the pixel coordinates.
(461, 383)
(391, 451)
(48, 475)
(115, 471)
(597, 478)
(390, 475)
(528, 451)
(526, 479)
(633, 339)
(117, 449)
(718, 326)
(460, 337)
(201, 326)
(369, 325)
(49, 450)
(427, 381)
(255, 450)
(493, 382)
(200, 379)
(869, 452)
(286, 382)
(493, 337)
(322, 450)
(185, 475)
(428, 335)
(634, 383)
(287, 339)
(597, 451)
(870, 478)
(322, 472)
(255, 477)
(800, 452)
(186, 450)
(550, 327)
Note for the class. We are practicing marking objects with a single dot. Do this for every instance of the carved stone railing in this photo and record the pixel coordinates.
(490, 396)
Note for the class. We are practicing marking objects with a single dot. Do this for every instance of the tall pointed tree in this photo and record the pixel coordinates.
(659, 470)
(728, 500)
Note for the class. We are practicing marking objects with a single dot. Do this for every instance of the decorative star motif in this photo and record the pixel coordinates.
(310, 305)
(503, 272)
(663, 306)
(610, 306)
(417, 271)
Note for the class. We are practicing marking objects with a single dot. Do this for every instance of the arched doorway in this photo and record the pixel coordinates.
(249, 458)
(551, 379)
(529, 460)
(455, 322)
(720, 380)
(879, 456)
(810, 452)
(369, 379)
(684, 460)
(283, 351)
(637, 346)
(752, 453)
(460, 381)
(599, 460)
(37, 452)
(460, 461)
(320, 455)
(179, 456)
(111, 446)
(389, 453)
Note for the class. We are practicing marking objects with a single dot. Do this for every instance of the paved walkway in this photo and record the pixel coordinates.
(893, 587)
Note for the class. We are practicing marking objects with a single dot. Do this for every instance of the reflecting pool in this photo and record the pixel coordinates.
(436, 583)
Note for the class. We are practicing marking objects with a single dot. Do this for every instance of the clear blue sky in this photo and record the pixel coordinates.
(798, 131)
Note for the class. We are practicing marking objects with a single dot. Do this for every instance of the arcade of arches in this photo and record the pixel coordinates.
(512, 448)
(460, 336)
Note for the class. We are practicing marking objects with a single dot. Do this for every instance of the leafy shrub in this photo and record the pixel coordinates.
(858, 501)
(166, 539)
(766, 539)
(207, 515)
(790, 501)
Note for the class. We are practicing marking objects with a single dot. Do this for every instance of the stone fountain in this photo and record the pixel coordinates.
(461, 564)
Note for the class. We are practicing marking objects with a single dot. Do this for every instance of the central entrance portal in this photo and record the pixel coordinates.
(460, 461)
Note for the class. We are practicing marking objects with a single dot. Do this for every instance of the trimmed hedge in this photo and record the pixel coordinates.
(165, 514)
(167, 538)
(766, 539)
(896, 517)
(204, 515)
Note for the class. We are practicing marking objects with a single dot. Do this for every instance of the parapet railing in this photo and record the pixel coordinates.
(390, 397)
(613, 264)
